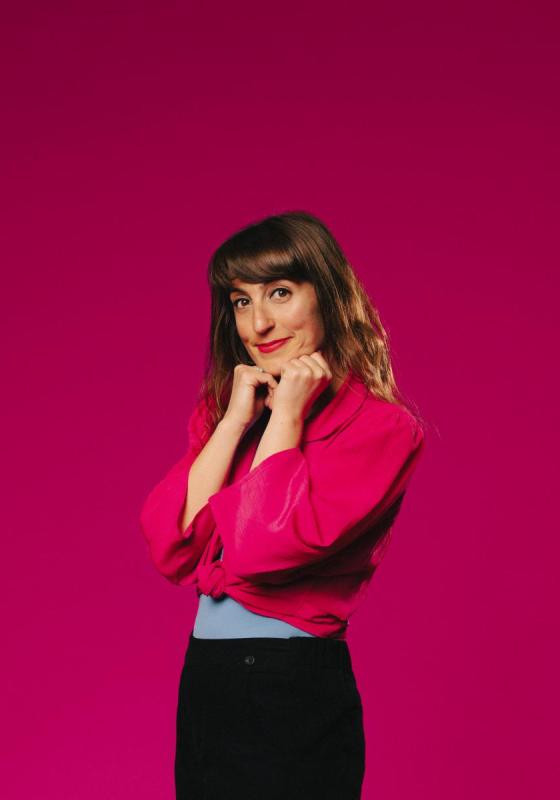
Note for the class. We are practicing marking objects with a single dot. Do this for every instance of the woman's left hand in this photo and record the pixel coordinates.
(302, 380)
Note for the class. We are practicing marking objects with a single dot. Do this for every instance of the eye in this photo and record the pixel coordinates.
(278, 289)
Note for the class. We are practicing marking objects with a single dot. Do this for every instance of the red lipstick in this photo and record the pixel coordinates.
(268, 347)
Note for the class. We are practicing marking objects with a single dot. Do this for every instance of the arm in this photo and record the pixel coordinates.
(210, 469)
(175, 518)
(294, 510)
(282, 433)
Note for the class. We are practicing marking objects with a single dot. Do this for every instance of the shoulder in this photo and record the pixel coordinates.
(377, 414)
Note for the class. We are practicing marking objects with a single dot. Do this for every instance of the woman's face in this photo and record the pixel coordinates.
(281, 309)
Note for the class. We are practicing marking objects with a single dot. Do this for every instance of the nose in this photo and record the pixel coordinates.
(262, 322)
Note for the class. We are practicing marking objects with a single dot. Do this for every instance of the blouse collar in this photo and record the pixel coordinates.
(346, 402)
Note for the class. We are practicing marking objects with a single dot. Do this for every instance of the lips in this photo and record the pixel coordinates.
(270, 346)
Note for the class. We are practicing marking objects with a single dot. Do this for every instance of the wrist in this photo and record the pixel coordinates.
(232, 426)
(286, 416)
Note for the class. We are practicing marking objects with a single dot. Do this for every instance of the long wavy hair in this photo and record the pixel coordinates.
(296, 246)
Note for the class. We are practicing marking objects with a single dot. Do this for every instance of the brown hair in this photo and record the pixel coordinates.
(297, 246)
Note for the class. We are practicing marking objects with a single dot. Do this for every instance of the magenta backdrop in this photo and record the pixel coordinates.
(136, 137)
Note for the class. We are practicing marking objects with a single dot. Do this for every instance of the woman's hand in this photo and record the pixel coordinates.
(303, 379)
(247, 401)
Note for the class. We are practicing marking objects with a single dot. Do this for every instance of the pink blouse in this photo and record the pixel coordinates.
(304, 531)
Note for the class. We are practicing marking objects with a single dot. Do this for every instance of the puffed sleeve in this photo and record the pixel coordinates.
(176, 553)
(295, 509)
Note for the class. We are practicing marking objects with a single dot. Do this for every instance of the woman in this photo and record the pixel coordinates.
(299, 454)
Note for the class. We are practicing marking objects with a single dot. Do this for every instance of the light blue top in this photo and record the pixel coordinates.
(225, 618)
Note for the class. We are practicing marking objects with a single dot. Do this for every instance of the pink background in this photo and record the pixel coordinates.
(136, 137)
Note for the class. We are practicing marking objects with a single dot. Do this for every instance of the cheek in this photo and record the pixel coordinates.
(305, 324)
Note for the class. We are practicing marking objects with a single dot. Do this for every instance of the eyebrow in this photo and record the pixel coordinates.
(232, 289)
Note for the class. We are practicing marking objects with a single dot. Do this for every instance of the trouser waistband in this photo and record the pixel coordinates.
(313, 651)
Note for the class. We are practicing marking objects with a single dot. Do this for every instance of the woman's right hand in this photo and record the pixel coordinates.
(247, 400)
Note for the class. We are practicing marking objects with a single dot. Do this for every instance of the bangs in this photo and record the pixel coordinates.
(250, 261)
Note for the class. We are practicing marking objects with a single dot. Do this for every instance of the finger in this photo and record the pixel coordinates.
(313, 363)
(262, 378)
(318, 356)
(317, 360)
(271, 380)
(266, 386)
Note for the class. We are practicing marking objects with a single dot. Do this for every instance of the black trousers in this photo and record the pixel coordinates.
(269, 719)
